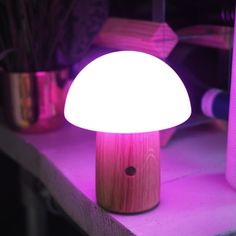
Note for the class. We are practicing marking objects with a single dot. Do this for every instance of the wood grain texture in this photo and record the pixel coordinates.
(155, 38)
(127, 171)
(207, 35)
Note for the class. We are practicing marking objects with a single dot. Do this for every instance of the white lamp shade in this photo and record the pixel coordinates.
(127, 92)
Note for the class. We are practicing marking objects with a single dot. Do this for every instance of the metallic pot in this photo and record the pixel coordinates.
(34, 102)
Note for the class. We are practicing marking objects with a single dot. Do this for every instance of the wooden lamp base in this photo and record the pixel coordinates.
(127, 171)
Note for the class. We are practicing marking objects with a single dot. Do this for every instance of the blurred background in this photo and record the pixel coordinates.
(201, 68)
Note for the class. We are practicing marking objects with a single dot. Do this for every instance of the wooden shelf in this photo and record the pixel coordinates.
(195, 197)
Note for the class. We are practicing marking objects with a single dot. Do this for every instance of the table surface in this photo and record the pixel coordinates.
(195, 197)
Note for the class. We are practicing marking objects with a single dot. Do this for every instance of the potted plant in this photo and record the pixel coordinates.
(39, 42)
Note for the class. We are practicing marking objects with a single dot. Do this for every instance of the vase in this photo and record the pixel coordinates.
(34, 101)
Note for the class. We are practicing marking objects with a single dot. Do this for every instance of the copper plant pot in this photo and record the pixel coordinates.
(34, 102)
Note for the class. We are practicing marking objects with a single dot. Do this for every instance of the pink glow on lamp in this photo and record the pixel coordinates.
(127, 97)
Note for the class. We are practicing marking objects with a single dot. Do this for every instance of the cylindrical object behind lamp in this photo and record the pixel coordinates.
(231, 142)
(215, 104)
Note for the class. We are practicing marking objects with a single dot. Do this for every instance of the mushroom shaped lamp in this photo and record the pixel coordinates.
(127, 97)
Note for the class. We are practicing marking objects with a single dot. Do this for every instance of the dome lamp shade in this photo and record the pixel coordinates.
(127, 92)
(127, 97)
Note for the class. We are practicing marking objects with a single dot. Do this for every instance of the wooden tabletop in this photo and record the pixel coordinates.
(195, 197)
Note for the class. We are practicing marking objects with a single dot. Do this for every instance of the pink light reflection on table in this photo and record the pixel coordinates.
(196, 199)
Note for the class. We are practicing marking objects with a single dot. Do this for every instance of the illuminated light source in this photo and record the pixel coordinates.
(127, 97)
